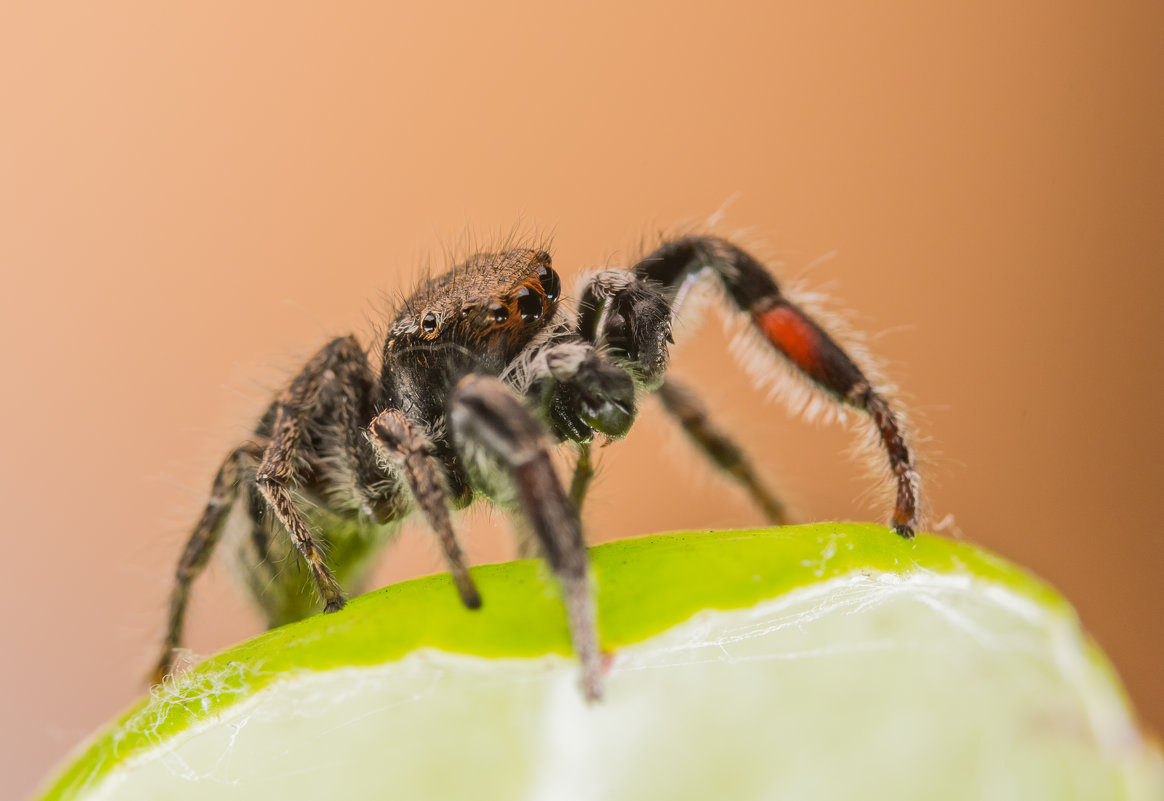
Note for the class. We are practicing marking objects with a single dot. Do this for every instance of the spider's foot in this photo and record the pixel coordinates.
(591, 685)
(335, 604)
(160, 672)
(593, 672)
(469, 595)
(171, 664)
(905, 530)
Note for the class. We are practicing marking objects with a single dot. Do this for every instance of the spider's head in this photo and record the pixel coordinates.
(492, 304)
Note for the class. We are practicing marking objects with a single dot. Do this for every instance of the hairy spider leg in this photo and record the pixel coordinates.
(487, 418)
(677, 264)
(681, 402)
(199, 547)
(408, 450)
(278, 472)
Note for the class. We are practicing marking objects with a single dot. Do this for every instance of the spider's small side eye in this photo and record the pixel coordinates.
(498, 313)
(551, 284)
(429, 323)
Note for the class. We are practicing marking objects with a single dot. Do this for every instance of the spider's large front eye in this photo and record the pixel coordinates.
(529, 304)
(428, 324)
(550, 282)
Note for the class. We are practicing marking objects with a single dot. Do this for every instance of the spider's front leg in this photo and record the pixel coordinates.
(331, 392)
(410, 452)
(278, 474)
(489, 421)
(621, 310)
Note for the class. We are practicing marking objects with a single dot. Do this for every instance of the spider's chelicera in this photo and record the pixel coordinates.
(483, 370)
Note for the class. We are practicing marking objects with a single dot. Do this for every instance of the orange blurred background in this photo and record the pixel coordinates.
(193, 197)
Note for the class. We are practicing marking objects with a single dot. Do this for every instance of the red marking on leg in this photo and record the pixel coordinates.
(794, 335)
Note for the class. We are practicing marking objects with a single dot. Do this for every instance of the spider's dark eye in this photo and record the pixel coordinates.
(551, 284)
(498, 313)
(428, 324)
(529, 304)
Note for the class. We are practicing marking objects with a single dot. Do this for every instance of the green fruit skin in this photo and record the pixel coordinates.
(643, 587)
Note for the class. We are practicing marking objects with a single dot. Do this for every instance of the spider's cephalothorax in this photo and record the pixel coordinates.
(483, 371)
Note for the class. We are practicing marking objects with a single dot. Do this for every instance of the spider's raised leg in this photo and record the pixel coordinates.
(201, 544)
(488, 420)
(410, 452)
(682, 404)
(621, 310)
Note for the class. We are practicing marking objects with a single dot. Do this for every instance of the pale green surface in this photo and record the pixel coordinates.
(935, 683)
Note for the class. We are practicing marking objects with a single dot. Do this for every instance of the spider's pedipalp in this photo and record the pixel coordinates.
(576, 388)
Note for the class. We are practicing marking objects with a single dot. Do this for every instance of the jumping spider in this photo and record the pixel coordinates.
(483, 370)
